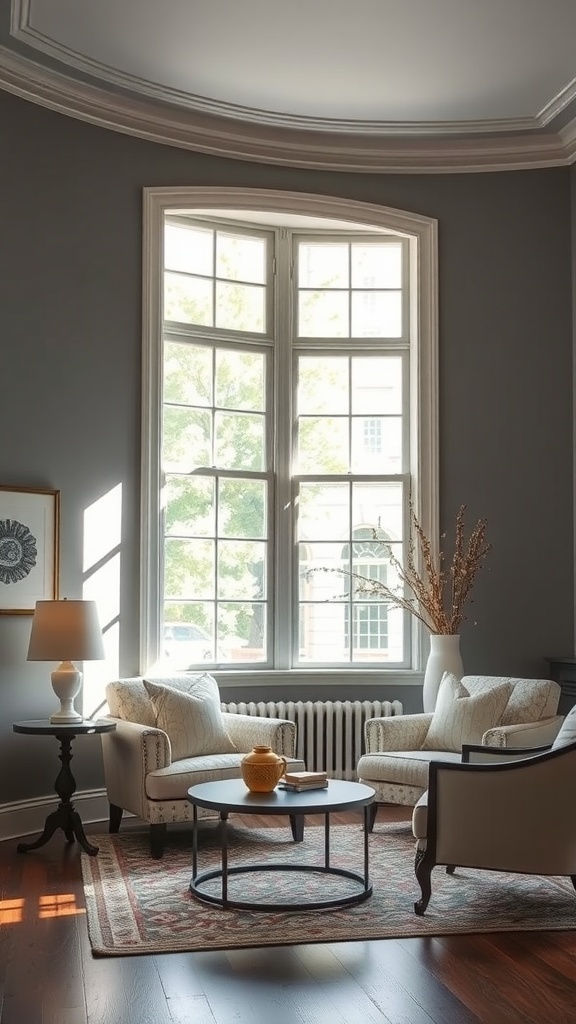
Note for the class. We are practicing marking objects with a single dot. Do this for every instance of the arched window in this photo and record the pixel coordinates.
(290, 367)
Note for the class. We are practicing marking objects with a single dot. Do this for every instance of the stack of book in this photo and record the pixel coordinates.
(299, 781)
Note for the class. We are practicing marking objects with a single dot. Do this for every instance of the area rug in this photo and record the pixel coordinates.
(137, 905)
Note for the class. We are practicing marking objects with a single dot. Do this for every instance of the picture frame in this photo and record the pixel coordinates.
(29, 548)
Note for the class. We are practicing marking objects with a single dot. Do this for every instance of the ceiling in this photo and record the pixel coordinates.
(373, 85)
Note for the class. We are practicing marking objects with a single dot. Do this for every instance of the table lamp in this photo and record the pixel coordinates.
(66, 631)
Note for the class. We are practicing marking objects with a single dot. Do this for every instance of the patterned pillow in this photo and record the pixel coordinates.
(192, 720)
(463, 718)
(567, 732)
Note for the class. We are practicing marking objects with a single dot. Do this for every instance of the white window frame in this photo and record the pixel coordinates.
(334, 214)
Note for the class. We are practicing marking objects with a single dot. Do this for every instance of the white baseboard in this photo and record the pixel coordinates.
(26, 817)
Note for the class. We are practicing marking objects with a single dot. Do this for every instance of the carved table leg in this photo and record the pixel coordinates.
(65, 816)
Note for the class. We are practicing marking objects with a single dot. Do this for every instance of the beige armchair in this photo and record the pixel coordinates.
(144, 778)
(397, 756)
(508, 815)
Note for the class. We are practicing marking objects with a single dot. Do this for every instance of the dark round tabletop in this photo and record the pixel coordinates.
(232, 795)
(44, 727)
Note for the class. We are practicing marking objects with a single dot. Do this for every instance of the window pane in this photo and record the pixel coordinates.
(323, 265)
(376, 505)
(188, 569)
(377, 385)
(187, 374)
(321, 575)
(240, 380)
(189, 506)
(322, 633)
(242, 508)
(323, 315)
(323, 383)
(376, 314)
(188, 300)
(376, 266)
(323, 444)
(242, 631)
(376, 444)
(189, 249)
(188, 635)
(187, 442)
(240, 307)
(240, 441)
(324, 511)
(241, 573)
(241, 258)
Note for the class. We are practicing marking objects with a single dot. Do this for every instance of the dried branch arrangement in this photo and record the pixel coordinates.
(438, 594)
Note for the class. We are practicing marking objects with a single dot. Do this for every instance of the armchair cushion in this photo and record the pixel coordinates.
(192, 720)
(128, 699)
(460, 717)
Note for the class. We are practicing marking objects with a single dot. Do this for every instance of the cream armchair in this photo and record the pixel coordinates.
(396, 764)
(508, 815)
(143, 778)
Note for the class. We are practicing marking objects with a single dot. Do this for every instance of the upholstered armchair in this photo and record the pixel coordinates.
(161, 746)
(501, 809)
(505, 712)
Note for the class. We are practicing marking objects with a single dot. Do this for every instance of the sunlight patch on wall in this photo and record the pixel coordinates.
(102, 568)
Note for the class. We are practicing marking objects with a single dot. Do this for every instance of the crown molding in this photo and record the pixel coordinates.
(318, 150)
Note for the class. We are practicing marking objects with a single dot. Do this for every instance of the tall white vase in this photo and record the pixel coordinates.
(444, 657)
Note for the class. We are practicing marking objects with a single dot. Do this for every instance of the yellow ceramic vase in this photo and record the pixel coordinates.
(262, 769)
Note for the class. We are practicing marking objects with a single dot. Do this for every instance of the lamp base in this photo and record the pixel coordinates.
(65, 717)
(66, 682)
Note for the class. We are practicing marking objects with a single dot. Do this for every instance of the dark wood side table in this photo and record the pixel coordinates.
(65, 816)
(563, 671)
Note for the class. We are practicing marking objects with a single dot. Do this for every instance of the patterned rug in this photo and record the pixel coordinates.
(138, 905)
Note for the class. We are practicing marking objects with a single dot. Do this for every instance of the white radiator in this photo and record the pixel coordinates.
(329, 733)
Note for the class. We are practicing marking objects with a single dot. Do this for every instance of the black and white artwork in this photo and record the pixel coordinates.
(29, 539)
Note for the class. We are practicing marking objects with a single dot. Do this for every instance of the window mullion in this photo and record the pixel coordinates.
(283, 405)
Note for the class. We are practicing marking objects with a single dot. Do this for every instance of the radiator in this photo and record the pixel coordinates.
(329, 733)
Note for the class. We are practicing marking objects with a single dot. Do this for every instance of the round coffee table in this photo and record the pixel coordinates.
(232, 796)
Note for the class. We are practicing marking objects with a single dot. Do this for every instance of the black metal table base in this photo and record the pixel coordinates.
(224, 872)
(329, 904)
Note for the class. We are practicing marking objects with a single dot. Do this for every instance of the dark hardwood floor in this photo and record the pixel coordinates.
(48, 975)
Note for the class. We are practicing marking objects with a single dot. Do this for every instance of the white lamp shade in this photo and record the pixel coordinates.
(65, 631)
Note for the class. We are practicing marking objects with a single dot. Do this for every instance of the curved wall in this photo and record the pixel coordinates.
(70, 325)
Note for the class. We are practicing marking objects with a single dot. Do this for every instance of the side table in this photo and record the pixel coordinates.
(65, 816)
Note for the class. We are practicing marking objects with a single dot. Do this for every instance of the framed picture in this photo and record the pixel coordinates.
(29, 548)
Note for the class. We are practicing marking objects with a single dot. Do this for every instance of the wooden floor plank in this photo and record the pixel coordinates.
(49, 976)
(423, 986)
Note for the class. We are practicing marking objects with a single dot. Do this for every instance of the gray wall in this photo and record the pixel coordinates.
(70, 328)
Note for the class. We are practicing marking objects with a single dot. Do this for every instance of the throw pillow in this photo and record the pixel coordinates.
(192, 720)
(567, 732)
(460, 717)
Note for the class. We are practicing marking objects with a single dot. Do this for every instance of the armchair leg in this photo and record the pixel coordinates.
(157, 837)
(115, 818)
(297, 826)
(423, 870)
(450, 869)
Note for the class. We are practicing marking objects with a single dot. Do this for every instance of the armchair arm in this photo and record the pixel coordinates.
(399, 732)
(509, 817)
(479, 753)
(129, 753)
(527, 734)
(248, 730)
